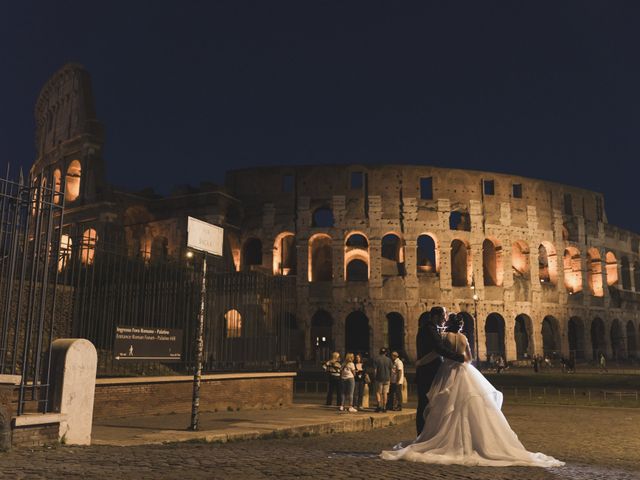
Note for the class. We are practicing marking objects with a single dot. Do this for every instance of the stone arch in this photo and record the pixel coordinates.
(356, 257)
(494, 335)
(427, 254)
(612, 268)
(572, 270)
(547, 263)
(395, 332)
(460, 263)
(636, 276)
(632, 342)
(520, 259)
(550, 336)
(320, 258)
(598, 342)
(88, 246)
(626, 273)
(323, 217)
(356, 333)
(469, 330)
(284, 254)
(251, 253)
(321, 334)
(72, 181)
(492, 269)
(575, 334)
(618, 341)
(392, 255)
(523, 336)
(594, 272)
(232, 324)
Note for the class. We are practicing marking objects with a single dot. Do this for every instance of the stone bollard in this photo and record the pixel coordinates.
(73, 382)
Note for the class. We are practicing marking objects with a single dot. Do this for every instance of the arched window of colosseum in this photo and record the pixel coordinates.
(618, 342)
(321, 334)
(284, 254)
(632, 343)
(520, 259)
(572, 270)
(66, 246)
(523, 336)
(320, 258)
(356, 258)
(459, 221)
(233, 324)
(576, 338)
(392, 255)
(88, 247)
(550, 336)
(460, 264)
(159, 249)
(612, 268)
(356, 333)
(626, 273)
(72, 181)
(57, 185)
(323, 217)
(492, 270)
(395, 332)
(494, 335)
(636, 276)
(598, 343)
(594, 272)
(427, 255)
(251, 254)
(547, 264)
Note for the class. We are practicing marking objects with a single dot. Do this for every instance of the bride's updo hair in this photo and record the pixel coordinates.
(455, 323)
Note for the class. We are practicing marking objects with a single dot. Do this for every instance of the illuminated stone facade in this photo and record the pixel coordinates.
(375, 247)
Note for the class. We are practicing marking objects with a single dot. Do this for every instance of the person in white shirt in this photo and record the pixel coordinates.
(397, 381)
(347, 376)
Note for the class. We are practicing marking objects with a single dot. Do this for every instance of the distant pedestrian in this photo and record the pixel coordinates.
(536, 364)
(347, 376)
(333, 368)
(358, 393)
(500, 364)
(382, 365)
(397, 381)
(603, 363)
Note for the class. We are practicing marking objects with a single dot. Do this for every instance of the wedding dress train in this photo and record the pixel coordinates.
(465, 425)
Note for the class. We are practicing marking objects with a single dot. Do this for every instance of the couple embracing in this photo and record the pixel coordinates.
(459, 418)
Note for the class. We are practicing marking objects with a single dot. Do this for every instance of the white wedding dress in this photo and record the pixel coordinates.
(464, 424)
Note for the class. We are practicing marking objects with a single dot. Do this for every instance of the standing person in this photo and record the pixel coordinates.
(382, 365)
(430, 347)
(359, 380)
(397, 381)
(536, 364)
(603, 363)
(347, 376)
(333, 368)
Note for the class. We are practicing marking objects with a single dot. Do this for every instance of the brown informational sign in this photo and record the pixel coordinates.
(148, 343)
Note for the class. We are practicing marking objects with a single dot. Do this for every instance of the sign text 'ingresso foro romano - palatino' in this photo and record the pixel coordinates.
(148, 343)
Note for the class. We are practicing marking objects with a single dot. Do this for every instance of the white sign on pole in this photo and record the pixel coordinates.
(204, 236)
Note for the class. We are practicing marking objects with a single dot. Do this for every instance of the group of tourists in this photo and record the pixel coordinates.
(347, 380)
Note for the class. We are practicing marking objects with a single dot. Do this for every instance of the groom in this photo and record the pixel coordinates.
(430, 349)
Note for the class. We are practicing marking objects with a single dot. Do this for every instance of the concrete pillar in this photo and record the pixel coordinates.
(74, 363)
(7, 408)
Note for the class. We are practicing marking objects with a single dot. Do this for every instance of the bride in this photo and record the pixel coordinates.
(465, 425)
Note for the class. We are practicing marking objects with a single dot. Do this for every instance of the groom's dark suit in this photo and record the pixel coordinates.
(429, 340)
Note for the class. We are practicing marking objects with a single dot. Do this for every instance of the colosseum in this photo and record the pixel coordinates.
(533, 265)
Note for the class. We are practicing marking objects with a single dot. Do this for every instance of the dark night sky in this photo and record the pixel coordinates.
(189, 89)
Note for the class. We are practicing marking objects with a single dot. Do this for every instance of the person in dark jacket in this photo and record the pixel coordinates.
(430, 349)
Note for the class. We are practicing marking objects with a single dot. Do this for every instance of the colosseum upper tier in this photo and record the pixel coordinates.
(533, 266)
(375, 247)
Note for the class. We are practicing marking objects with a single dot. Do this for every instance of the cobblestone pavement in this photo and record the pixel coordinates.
(595, 443)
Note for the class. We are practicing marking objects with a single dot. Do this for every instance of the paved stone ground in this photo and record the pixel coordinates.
(596, 443)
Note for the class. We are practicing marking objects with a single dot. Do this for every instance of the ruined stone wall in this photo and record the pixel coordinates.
(389, 201)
